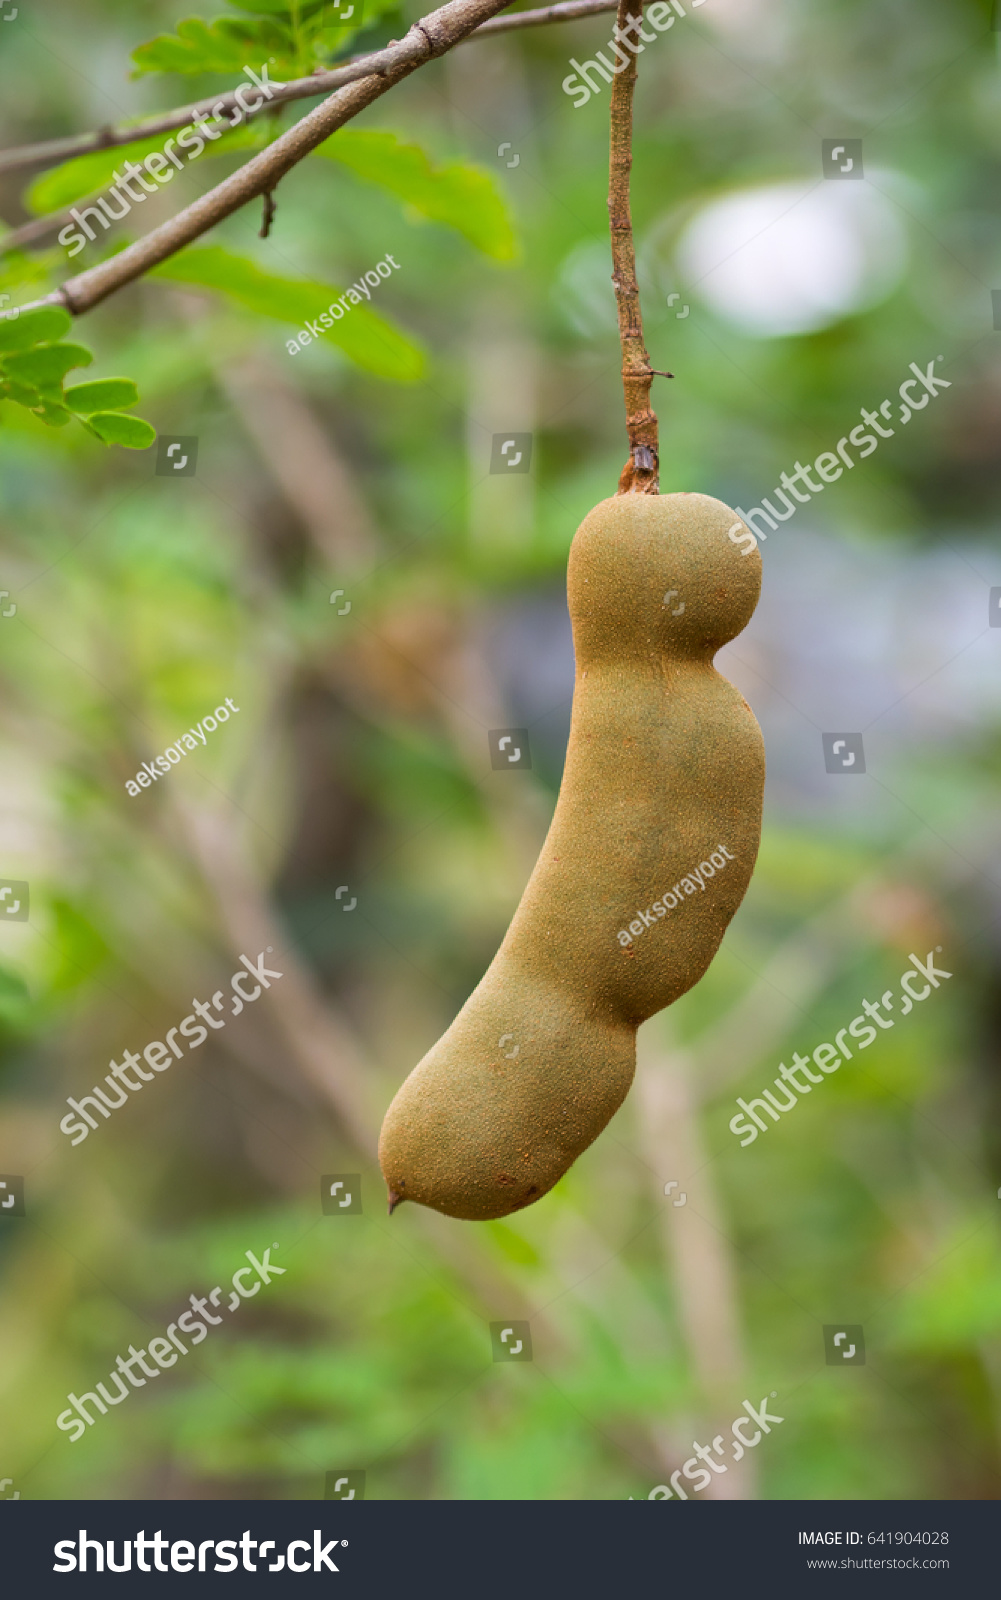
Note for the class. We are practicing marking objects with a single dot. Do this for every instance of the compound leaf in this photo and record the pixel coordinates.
(33, 378)
(222, 46)
(292, 40)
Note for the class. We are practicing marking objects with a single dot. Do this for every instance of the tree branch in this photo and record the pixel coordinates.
(56, 150)
(565, 12)
(82, 144)
(641, 473)
(395, 54)
(431, 37)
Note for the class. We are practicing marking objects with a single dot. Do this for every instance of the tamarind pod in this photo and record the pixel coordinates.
(659, 807)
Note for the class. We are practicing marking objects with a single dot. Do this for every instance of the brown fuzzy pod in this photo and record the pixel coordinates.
(649, 854)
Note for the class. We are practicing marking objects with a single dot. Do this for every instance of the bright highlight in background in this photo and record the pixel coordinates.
(793, 257)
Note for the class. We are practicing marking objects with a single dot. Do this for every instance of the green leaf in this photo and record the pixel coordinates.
(89, 175)
(281, 8)
(291, 40)
(104, 394)
(20, 393)
(460, 196)
(54, 416)
(333, 34)
(221, 46)
(32, 327)
(369, 340)
(46, 366)
(114, 428)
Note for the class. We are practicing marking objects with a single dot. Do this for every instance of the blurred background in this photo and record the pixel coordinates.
(350, 818)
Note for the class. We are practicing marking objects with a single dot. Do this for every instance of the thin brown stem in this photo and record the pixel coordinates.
(268, 215)
(566, 11)
(641, 473)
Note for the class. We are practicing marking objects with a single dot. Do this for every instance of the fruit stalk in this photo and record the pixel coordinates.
(641, 473)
